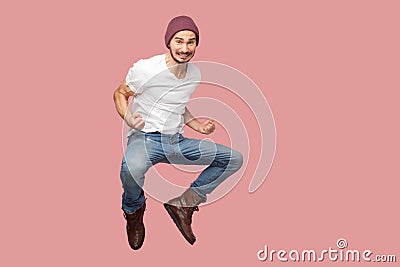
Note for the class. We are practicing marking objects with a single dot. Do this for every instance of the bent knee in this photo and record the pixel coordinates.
(137, 169)
(236, 159)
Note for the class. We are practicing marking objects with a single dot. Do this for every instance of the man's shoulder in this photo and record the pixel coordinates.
(151, 61)
(148, 66)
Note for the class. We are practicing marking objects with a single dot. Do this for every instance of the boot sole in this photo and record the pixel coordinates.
(171, 214)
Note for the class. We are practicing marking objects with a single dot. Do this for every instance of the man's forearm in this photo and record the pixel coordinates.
(121, 105)
(190, 120)
(121, 97)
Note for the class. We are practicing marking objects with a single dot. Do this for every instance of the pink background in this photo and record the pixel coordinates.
(329, 69)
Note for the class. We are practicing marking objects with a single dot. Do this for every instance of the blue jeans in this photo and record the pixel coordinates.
(147, 149)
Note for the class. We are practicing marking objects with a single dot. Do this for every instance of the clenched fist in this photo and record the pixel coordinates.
(207, 127)
(135, 121)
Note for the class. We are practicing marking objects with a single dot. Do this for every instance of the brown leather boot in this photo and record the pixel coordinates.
(181, 210)
(135, 227)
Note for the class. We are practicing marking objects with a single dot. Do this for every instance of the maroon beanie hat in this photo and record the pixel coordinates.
(178, 24)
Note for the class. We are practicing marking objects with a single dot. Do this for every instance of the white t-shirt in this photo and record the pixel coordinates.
(161, 97)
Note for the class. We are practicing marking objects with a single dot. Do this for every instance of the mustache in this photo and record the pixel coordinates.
(186, 53)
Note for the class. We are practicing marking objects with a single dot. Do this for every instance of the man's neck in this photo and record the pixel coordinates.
(178, 69)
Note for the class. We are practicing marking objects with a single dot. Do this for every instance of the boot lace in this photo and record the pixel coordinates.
(192, 209)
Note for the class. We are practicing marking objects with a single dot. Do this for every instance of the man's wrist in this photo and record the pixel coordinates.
(128, 118)
(194, 124)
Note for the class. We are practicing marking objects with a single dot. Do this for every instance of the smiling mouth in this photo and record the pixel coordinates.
(184, 55)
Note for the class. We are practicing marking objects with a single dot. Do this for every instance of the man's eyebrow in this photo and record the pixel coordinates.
(180, 38)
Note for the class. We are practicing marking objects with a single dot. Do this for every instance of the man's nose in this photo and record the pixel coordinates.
(184, 48)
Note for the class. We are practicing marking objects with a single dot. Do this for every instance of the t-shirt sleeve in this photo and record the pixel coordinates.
(136, 77)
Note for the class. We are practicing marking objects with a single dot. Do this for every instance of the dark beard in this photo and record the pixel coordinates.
(175, 59)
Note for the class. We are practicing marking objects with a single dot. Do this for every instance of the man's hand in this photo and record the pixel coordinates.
(207, 127)
(135, 121)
